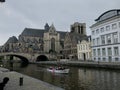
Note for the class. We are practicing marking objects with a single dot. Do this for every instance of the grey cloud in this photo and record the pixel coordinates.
(18, 14)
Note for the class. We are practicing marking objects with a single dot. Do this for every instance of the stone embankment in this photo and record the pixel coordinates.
(29, 83)
(105, 65)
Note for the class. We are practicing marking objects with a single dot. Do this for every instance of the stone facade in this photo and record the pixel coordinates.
(77, 33)
(37, 41)
(52, 40)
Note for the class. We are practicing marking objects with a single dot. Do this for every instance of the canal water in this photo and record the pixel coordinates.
(77, 79)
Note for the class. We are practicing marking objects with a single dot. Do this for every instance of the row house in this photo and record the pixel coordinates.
(84, 49)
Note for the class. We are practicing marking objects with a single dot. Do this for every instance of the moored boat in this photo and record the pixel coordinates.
(58, 70)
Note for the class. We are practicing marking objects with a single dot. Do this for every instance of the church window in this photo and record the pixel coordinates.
(53, 44)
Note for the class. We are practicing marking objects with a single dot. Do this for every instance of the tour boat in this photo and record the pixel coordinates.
(58, 70)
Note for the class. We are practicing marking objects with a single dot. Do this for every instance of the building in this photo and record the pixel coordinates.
(10, 45)
(84, 49)
(106, 37)
(43, 40)
(77, 33)
(32, 40)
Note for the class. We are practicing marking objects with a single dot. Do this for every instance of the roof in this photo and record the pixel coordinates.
(39, 32)
(62, 34)
(33, 32)
(108, 14)
(12, 39)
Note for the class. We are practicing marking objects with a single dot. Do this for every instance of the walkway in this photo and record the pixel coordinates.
(29, 83)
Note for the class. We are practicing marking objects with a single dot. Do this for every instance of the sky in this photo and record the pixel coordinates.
(15, 15)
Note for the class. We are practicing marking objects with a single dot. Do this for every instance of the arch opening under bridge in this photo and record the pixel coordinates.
(22, 58)
(42, 58)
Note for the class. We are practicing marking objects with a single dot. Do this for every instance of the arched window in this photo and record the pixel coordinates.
(78, 29)
(53, 44)
(82, 32)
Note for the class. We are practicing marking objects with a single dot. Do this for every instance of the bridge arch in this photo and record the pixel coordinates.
(42, 58)
(23, 59)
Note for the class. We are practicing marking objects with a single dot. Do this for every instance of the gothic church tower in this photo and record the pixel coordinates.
(78, 28)
(51, 40)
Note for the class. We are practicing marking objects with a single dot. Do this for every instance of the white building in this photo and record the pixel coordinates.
(84, 49)
(106, 37)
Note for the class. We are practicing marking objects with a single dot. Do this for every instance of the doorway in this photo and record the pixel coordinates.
(84, 56)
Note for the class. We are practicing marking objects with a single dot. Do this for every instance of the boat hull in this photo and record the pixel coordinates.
(59, 71)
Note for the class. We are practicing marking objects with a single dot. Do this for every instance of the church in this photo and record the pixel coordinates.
(47, 40)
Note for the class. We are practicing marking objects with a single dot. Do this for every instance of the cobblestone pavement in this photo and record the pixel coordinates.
(29, 83)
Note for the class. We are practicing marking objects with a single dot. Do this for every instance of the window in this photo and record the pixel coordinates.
(102, 29)
(114, 26)
(94, 52)
(107, 28)
(104, 59)
(110, 58)
(116, 59)
(109, 52)
(98, 52)
(98, 41)
(116, 51)
(53, 44)
(119, 24)
(103, 40)
(115, 38)
(93, 32)
(99, 59)
(83, 47)
(103, 52)
(97, 31)
(79, 47)
(108, 39)
(93, 41)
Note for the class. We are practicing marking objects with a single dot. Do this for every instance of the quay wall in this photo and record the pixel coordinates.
(102, 65)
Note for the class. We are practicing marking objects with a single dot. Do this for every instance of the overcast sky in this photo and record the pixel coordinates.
(15, 15)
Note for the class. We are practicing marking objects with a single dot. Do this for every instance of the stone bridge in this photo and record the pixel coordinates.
(27, 57)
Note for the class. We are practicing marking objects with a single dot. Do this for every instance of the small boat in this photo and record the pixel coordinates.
(58, 70)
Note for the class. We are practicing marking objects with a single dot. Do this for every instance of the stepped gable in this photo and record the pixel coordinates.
(33, 32)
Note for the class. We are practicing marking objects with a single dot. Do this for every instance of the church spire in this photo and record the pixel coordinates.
(46, 27)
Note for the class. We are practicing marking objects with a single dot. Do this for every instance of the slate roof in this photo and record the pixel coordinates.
(33, 32)
(62, 34)
(39, 32)
(12, 39)
(108, 14)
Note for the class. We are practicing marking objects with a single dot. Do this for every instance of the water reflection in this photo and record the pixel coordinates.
(77, 79)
